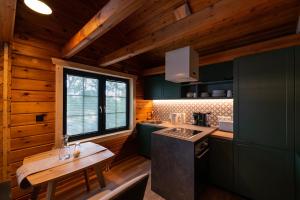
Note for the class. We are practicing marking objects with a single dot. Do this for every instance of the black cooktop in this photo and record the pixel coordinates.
(182, 132)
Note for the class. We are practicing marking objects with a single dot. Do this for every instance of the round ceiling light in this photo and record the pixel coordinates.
(38, 6)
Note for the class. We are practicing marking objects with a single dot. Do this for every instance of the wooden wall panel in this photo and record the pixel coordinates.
(1, 108)
(143, 107)
(32, 94)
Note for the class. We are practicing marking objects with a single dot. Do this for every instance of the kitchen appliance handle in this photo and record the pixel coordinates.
(202, 154)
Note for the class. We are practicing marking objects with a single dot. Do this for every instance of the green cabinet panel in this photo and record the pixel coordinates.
(156, 87)
(264, 125)
(171, 90)
(153, 87)
(263, 173)
(221, 163)
(144, 133)
(264, 103)
(297, 131)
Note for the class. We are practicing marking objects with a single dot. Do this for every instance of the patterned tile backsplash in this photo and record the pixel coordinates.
(217, 107)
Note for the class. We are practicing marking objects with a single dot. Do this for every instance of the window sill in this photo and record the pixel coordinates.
(105, 137)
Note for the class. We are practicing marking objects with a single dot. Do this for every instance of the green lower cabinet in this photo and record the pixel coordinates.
(144, 133)
(221, 163)
(263, 173)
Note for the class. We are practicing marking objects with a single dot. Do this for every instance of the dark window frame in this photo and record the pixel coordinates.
(101, 103)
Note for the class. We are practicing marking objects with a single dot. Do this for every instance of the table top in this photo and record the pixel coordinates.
(69, 168)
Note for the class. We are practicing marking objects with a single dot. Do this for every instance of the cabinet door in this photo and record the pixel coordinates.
(171, 90)
(297, 132)
(153, 87)
(144, 138)
(264, 173)
(221, 163)
(264, 98)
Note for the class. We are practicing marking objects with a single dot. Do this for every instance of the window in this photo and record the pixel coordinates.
(94, 104)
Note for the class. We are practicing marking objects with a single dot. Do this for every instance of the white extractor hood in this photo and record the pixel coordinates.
(181, 65)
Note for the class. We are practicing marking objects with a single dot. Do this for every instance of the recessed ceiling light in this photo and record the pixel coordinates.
(38, 6)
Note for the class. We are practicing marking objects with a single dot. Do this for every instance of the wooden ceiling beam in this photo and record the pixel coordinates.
(108, 17)
(278, 43)
(298, 26)
(219, 15)
(7, 19)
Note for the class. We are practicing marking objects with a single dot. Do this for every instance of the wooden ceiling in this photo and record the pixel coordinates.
(267, 19)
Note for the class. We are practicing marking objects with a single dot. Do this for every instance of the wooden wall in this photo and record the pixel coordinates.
(142, 106)
(1, 108)
(33, 93)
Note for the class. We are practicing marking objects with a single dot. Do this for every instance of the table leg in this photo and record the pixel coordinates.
(51, 190)
(35, 192)
(100, 176)
(86, 178)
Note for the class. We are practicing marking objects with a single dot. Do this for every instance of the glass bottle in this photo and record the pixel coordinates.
(64, 151)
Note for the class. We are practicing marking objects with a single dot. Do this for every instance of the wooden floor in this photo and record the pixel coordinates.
(125, 171)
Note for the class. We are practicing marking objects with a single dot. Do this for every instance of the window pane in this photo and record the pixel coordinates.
(74, 125)
(110, 121)
(74, 105)
(121, 89)
(121, 104)
(90, 87)
(74, 85)
(121, 119)
(110, 88)
(110, 105)
(90, 123)
(82, 105)
(90, 105)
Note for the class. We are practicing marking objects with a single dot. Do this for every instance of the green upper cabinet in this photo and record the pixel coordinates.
(297, 132)
(153, 87)
(156, 87)
(264, 98)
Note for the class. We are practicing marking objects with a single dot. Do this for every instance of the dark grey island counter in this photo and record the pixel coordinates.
(179, 162)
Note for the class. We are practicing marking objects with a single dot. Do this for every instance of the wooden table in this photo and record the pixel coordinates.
(53, 175)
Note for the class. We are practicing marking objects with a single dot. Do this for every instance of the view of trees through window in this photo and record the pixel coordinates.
(115, 104)
(82, 105)
(94, 104)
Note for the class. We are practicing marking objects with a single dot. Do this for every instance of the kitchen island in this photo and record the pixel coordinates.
(179, 163)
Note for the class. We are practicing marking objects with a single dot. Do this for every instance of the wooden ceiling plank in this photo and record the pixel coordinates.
(229, 55)
(278, 43)
(108, 17)
(7, 19)
(220, 14)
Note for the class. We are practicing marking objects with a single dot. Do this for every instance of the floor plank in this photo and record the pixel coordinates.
(127, 170)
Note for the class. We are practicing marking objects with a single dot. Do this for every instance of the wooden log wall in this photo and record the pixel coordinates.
(143, 107)
(1, 109)
(32, 94)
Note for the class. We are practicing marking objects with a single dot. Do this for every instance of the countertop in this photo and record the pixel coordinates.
(167, 126)
(212, 131)
(222, 135)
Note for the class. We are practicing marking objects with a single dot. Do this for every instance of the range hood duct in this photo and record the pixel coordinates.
(181, 65)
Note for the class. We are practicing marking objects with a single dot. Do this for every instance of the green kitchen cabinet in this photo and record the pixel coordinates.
(171, 90)
(264, 114)
(263, 173)
(144, 133)
(264, 107)
(156, 87)
(221, 163)
(297, 131)
(153, 87)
